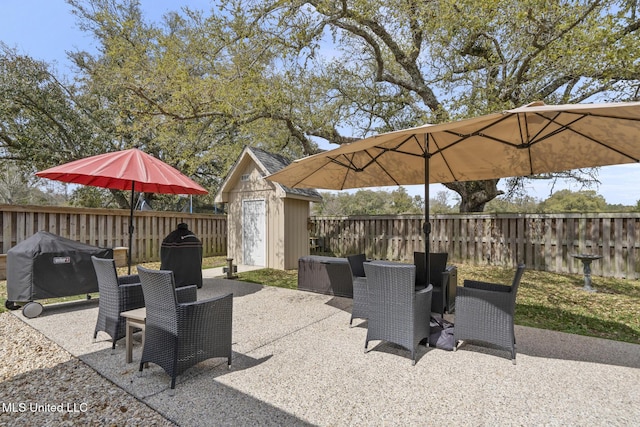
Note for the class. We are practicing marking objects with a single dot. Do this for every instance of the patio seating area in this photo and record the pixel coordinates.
(297, 361)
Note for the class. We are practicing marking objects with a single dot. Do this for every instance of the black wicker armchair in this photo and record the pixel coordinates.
(180, 335)
(484, 313)
(117, 294)
(360, 297)
(443, 277)
(397, 312)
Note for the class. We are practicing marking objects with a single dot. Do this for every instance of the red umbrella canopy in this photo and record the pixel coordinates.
(119, 169)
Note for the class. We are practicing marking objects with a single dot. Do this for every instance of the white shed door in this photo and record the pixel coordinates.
(254, 232)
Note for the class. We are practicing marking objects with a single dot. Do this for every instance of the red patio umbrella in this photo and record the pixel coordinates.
(131, 169)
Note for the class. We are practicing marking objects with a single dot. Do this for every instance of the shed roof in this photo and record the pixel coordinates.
(268, 163)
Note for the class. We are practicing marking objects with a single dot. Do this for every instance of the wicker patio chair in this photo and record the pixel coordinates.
(117, 294)
(180, 335)
(440, 276)
(122, 293)
(360, 297)
(484, 313)
(397, 312)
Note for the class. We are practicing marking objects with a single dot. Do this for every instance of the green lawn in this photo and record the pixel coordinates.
(545, 300)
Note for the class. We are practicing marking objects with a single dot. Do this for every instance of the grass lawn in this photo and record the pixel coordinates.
(545, 300)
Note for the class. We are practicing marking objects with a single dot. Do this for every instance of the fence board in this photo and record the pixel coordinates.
(109, 228)
(542, 241)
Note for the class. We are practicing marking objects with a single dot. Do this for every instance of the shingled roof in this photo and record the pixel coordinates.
(274, 163)
(271, 163)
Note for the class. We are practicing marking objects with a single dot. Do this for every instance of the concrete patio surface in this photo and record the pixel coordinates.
(297, 361)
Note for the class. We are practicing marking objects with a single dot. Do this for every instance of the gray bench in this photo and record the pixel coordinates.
(325, 275)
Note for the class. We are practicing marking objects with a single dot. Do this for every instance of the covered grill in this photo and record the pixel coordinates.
(49, 266)
(181, 252)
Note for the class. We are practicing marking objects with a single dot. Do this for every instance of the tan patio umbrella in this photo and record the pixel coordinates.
(529, 140)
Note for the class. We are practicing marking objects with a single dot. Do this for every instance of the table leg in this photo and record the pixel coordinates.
(142, 327)
(129, 341)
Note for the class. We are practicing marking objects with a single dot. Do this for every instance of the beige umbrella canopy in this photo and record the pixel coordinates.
(524, 141)
(529, 140)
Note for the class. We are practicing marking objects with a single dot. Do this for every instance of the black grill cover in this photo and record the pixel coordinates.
(181, 252)
(49, 266)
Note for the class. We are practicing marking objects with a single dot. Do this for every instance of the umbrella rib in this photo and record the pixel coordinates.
(350, 166)
(312, 172)
(383, 168)
(441, 151)
(550, 120)
(526, 142)
(396, 149)
(346, 161)
(567, 127)
(605, 116)
(479, 132)
(622, 153)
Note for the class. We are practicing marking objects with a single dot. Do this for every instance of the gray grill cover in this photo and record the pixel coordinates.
(49, 266)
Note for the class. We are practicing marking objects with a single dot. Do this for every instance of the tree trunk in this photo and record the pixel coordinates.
(474, 195)
(122, 198)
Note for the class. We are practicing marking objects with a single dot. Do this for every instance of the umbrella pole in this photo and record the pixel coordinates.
(131, 227)
(427, 224)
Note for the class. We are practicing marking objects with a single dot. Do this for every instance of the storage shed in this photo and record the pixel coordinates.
(267, 222)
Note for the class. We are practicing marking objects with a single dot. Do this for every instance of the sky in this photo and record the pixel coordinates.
(46, 30)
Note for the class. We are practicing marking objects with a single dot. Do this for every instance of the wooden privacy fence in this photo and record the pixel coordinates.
(109, 228)
(542, 241)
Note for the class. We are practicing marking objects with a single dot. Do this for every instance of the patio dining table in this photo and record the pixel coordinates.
(136, 319)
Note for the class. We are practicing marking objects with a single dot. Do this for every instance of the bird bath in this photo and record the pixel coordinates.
(587, 259)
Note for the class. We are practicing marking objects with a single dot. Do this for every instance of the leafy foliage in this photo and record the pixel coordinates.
(20, 188)
(403, 63)
(197, 86)
(516, 204)
(369, 202)
(441, 205)
(569, 201)
(43, 121)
